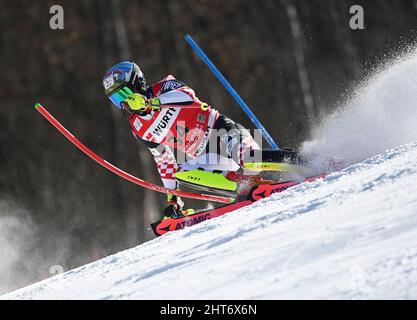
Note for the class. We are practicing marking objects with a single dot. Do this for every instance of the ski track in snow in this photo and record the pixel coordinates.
(352, 235)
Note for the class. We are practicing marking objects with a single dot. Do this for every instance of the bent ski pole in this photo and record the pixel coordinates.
(120, 172)
(232, 91)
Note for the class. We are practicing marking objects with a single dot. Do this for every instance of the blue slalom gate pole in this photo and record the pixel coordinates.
(232, 91)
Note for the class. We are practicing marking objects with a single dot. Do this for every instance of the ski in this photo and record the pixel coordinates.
(166, 225)
(171, 224)
(265, 190)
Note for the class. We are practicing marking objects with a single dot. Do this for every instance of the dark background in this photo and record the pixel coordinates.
(289, 60)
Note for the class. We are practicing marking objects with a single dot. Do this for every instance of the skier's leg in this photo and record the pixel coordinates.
(234, 140)
(226, 149)
(217, 168)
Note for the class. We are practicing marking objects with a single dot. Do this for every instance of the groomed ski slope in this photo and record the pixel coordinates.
(352, 235)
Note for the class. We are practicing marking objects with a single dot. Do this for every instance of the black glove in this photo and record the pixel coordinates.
(174, 206)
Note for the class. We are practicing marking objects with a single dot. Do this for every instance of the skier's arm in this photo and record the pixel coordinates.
(184, 96)
(178, 96)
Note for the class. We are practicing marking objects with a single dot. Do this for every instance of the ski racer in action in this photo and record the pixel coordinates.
(168, 116)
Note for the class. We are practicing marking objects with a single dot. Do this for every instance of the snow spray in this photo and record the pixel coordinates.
(381, 113)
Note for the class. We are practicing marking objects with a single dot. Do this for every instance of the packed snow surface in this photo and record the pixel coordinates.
(352, 235)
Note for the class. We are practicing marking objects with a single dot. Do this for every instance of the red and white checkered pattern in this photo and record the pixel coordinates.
(167, 171)
(167, 167)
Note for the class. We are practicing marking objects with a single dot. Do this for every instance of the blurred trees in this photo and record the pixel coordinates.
(290, 60)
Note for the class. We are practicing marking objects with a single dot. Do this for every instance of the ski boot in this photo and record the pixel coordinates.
(246, 182)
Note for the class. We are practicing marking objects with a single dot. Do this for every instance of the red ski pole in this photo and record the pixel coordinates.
(120, 172)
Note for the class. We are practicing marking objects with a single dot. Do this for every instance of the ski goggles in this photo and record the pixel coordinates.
(120, 96)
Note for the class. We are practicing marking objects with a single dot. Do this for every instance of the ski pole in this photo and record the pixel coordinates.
(232, 91)
(120, 172)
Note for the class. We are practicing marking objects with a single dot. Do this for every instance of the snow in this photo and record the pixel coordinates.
(352, 235)
(380, 114)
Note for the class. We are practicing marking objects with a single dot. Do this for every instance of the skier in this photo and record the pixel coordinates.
(168, 115)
